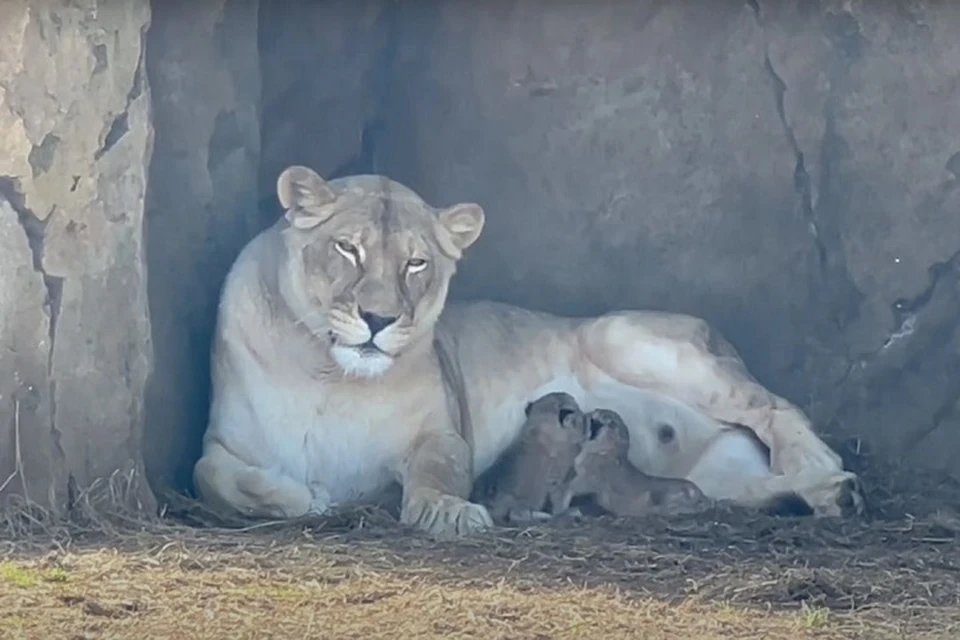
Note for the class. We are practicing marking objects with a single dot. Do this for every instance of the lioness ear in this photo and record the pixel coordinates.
(526, 409)
(463, 222)
(305, 196)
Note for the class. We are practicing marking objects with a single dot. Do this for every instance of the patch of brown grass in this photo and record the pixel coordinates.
(108, 570)
(304, 591)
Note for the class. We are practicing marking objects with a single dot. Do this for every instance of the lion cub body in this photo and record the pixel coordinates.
(532, 471)
(603, 471)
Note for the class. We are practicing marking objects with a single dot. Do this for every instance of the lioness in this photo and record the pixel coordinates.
(603, 471)
(533, 470)
(338, 369)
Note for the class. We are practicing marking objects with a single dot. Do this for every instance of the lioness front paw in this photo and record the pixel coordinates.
(443, 515)
(838, 495)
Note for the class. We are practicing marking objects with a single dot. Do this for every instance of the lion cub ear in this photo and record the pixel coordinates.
(463, 223)
(305, 196)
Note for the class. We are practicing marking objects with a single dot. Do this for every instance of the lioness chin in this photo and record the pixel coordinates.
(339, 368)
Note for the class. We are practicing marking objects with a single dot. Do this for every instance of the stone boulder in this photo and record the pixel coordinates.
(75, 347)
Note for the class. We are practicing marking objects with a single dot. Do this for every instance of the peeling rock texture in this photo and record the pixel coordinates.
(788, 171)
(75, 348)
(204, 71)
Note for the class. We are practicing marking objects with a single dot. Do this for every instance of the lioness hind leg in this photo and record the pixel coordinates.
(683, 357)
(227, 484)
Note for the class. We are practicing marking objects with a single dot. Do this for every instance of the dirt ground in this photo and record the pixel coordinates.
(731, 574)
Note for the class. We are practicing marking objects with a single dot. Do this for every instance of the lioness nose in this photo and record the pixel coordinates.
(375, 322)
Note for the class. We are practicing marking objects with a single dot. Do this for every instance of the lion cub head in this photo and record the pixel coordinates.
(368, 263)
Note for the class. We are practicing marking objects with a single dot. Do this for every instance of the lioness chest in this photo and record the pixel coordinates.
(349, 441)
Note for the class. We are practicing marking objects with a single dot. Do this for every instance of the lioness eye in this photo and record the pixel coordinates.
(415, 265)
(347, 250)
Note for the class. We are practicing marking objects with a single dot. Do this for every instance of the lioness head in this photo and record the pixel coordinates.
(368, 263)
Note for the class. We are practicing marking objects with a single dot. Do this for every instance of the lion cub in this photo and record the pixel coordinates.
(533, 470)
(602, 470)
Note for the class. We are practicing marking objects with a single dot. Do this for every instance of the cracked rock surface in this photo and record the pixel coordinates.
(788, 171)
(75, 348)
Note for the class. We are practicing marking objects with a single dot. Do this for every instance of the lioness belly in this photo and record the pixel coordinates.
(734, 450)
(510, 356)
(644, 412)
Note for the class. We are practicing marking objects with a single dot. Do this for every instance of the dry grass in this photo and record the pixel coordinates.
(307, 590)
(108, 573)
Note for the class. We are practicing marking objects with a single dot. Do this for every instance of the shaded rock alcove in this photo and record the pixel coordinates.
(788, 171)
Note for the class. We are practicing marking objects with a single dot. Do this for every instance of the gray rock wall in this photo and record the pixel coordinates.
(204, 69)
(785, 170)
(328, 73)
(75, 142)
(788, 171)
